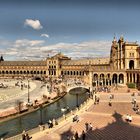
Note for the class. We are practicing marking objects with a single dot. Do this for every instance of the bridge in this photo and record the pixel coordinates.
(77, 86)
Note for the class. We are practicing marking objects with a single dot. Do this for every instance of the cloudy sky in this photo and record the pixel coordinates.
(32, 29)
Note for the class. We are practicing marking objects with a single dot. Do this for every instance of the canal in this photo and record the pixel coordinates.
(53, 111)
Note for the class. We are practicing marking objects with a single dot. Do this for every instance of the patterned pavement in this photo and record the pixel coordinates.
(108, 122)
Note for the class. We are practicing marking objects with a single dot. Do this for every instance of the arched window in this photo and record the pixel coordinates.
(131, 64)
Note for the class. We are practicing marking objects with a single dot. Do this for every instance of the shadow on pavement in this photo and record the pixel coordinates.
(117, 130)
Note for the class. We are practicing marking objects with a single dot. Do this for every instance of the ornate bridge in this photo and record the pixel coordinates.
(77, 86)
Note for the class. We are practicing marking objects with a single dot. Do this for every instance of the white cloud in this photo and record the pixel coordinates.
(28, 43)
(36, 49)
(45, 35)
(35, 24)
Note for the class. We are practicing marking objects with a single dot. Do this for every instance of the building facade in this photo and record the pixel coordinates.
(122, 67)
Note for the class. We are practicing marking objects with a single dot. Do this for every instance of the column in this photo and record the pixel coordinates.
(110, 81)
(117, 79)
(136, 77)
(90, 80)
(128, 78)
(105, 80)
(132, 78)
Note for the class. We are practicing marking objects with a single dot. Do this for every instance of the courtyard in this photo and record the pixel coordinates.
(108, 121)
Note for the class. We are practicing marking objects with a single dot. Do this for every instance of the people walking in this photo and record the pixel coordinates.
(76, 136)
(86, 126)
(83, 135)
(90, 126)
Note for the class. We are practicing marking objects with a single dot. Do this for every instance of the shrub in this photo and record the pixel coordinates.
(131, 85)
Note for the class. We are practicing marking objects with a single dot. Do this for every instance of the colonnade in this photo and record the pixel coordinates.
(108, 79)
(133, 77)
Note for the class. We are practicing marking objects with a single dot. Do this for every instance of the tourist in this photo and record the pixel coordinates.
(110, 103)
(83, 135)
(76, 136)
(127, 118)
(90, 126)
(86, 126)
(130, 118)
(27, 137)
(23, 135)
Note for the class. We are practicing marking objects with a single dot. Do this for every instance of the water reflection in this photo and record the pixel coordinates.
(32, 120)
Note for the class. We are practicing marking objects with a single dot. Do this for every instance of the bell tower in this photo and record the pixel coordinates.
(113, 53)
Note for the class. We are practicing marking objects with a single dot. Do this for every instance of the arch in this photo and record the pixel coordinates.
(3, 72)
(114, 79)
(121, 78)
(108, 79)
(20, 72)
(77, 73)
(95, 77)
(6, 72)
(75, 88)
(14, 72)
(101, 82)
(131, 64)
(10, 72)
(34, 72)
(17, 72)
(37, 72)
(68, 72)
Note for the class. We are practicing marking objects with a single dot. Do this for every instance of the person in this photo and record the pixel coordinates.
(130, 118)
(83, 135)
(135, 102)
(127, 118)
(27, 137)
(110, 104)
(90, 126)
(76, 136)
(86, 125)
(23, 135)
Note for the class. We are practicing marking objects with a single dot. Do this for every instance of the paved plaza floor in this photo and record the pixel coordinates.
(108, 121)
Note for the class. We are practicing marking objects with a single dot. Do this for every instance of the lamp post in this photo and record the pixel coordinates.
(50, 84)
(77, 100)
(41, 120)
(28, 92)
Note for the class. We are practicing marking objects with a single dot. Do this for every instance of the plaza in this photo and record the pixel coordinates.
(109, 123)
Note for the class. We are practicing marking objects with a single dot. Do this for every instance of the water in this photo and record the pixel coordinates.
(29, 121)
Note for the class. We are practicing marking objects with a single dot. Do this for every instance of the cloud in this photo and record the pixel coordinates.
(45, 35)
(35, 24)
(27, 43)
(37, 49)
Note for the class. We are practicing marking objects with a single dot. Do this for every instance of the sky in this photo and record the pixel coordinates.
(34, 29)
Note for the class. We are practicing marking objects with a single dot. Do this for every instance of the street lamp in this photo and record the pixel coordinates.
(41, 120)
(77, 100)
(28, 92)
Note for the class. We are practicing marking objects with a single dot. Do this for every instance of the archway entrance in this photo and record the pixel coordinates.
(131, 64)
(121, 78)
(114, 80)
